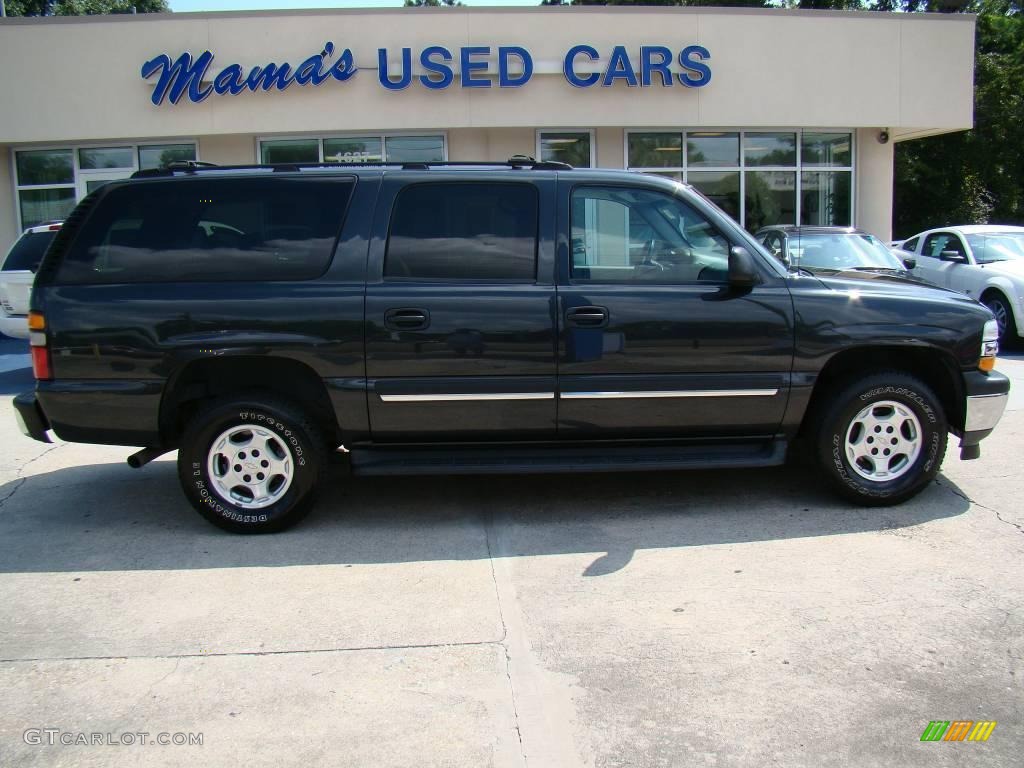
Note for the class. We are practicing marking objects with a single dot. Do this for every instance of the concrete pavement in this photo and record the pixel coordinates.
(695, 619)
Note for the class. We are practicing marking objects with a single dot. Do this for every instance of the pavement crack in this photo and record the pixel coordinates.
(957, 492)
(20, 480)
(143, 697)
(224, 654)
(488, 530)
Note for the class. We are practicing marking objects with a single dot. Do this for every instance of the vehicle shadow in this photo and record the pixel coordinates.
(17, 381)
(109, 517)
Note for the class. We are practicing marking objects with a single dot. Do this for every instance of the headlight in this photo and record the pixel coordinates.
(989, 346)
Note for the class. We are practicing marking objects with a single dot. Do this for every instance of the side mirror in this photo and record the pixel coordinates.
(952, 256)
(742, 269)
(909, 262)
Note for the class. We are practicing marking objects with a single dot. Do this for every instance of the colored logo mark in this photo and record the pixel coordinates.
(958, 730)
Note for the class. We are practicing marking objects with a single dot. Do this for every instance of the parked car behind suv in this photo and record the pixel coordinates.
(833, 249)
(984, 261)
(16, 273)
(493, 318)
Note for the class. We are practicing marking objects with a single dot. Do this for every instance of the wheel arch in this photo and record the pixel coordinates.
(935, 367)
(1003, 287)
(200, 381)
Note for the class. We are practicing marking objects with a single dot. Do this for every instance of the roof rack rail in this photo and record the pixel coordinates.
(195, 166)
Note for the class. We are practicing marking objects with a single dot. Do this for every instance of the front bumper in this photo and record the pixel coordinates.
(986, 398)
(31, 419)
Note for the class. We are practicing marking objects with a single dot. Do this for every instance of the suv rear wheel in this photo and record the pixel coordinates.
(882, 439)
(251, 464)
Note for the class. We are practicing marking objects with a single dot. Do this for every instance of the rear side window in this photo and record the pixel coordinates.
(210, 230)
(28, 251)
(464, 231)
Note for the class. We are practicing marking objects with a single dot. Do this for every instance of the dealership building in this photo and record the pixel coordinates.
(779, 116)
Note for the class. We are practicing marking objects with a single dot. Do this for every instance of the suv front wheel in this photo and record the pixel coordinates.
(251, 464)
(882, 439)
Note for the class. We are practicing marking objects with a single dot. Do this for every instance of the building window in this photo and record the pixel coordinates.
(397, 148)
(573, 147)
(51, 181)
(757, 177)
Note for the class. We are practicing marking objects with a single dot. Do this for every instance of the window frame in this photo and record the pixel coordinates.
(81, 176)
(743, 168)
(572, 280)
(591, 132)
(321, 137)
(386, 279)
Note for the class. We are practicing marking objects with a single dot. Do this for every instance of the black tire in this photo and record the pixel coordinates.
(1001, 309)
(284, 431)
(910, 477)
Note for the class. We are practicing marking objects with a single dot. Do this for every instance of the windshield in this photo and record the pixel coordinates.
(841, 251)
(997, 246)
(28, 251)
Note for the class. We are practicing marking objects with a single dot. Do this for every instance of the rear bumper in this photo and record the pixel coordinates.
(31, 419)
(986, 398)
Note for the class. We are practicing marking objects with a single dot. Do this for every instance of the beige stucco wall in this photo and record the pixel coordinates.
(8, 214)
(873, 179)
(770, 68)
(466, 144)
(227, 150)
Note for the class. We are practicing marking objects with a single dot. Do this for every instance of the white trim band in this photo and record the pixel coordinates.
(639, 394)
(669, 393)
(441, 397)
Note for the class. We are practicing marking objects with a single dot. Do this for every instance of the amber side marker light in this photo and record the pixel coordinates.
(989, 346)
(41, 368)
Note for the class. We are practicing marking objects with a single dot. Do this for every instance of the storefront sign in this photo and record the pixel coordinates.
(583, 66)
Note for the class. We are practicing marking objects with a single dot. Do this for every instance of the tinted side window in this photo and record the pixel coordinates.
(209, 230)
(464, 231)
(626, 235)
(910, 245)
(28, 251)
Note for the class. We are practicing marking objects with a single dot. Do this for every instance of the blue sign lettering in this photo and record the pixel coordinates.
(469, 66)
(192, 78)
(686, 60)
(619, 68)
(444, 70)
(183, 76)
(504, 79)
(382, 70)
(568, 66)
(649, 66)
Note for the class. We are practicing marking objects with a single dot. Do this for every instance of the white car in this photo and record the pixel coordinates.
(985, 261)
(17, 271)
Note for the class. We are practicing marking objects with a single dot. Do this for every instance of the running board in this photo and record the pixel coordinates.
(551, 459)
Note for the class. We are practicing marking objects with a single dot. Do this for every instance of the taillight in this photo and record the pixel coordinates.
(41, 367)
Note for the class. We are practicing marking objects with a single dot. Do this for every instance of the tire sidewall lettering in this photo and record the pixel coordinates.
(212, 500)
(926, 463)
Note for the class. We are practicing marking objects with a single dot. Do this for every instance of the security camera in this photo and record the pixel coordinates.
(883, 137)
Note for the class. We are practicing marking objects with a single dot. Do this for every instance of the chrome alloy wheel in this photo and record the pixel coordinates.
(250, 466)
(883, 441)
